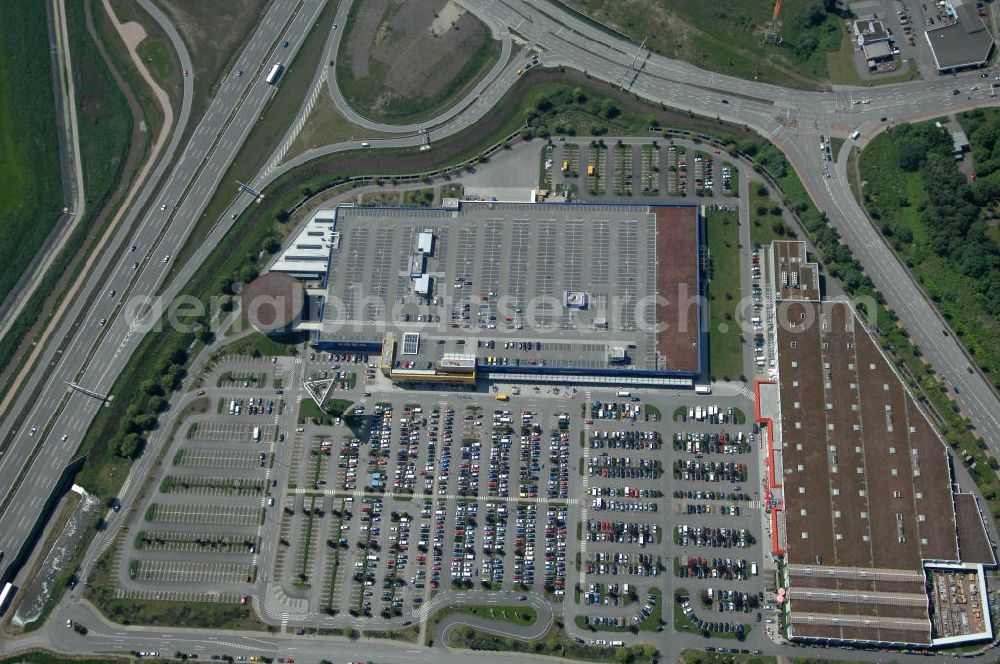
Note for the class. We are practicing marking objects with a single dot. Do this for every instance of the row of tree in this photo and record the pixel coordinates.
(953, 216)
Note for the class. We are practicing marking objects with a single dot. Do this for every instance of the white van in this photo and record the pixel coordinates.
(624, 393)
(753, 569)
(855, 134)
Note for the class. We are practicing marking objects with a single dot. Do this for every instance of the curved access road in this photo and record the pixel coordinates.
(515, 600)
(484, 96)
(497, 28)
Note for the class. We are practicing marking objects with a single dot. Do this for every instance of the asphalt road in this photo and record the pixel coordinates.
(91, 355)
(104, 637)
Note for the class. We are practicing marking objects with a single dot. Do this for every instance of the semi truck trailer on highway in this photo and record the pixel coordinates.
(272, 78)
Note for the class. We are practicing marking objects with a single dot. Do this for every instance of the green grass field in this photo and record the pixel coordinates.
(516, 615)
(105, 121)
(728, 37)
(155, 50)
(31, 196)
(725, 346)
(46, 657)
(766, 223)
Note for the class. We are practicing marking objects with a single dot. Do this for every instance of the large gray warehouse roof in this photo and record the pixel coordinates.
(963, 44)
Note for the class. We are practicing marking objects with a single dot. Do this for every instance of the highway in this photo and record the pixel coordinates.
(92, 355)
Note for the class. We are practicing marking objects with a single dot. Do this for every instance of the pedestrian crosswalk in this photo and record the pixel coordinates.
(754, 505)
(747, 392)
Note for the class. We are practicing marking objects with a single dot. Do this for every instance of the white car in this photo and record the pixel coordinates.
(163, 207)
(166, 258)
(33, 430)
(64, 437)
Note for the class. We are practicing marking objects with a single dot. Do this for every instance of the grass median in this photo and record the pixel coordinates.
(554, 643)
(515, 615)
(725, 342)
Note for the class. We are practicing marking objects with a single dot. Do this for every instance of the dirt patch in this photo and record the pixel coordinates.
(132, 34)
(400, 58)
(447, 18)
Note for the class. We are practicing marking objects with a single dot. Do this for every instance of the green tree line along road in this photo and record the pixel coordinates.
(943, 225)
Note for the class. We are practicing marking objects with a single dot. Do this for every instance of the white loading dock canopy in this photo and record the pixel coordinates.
(308, 255)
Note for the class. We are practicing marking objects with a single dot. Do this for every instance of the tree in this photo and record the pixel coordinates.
(806, 46)
(150, 387)
(609, 110)
(911, 151)
(127, 446)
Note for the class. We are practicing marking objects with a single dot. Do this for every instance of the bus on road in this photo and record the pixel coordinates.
(272, 78)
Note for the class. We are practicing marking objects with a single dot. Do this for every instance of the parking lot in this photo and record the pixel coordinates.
(235, 431)
(193, 572)
(573, 495)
